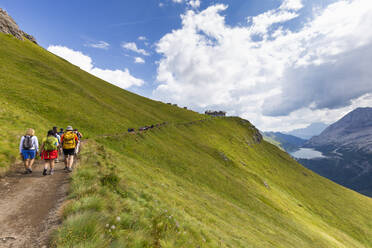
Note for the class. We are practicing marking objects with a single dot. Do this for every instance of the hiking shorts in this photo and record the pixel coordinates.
(49, 155)
(28, 154)
(69, 152)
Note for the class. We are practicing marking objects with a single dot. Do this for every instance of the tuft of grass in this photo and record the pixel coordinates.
(81, 230)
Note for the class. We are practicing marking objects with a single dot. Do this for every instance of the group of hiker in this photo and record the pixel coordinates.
(145, 128)
(64, 143)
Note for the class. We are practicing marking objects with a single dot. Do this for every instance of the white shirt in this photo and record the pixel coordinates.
(35, 143)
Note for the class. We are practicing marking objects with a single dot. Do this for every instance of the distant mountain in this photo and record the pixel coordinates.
(310, 131)
(289, 143)
(353, 132)
(347, 145)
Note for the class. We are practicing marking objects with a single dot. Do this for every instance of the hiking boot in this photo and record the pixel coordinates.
(65, 168)
(45, 172)
(69, 169)
(29, 170)
(51, 172)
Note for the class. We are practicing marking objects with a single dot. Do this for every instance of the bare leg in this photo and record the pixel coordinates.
(70, 161)
(26, 162)
(31, 163)
(47, 162)
(66, 160)
(51, 164)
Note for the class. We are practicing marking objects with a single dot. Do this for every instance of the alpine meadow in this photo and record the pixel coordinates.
(193, 181)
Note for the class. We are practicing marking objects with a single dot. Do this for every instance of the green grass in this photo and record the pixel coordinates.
(189, 183)
(40, 90)
(208, 184)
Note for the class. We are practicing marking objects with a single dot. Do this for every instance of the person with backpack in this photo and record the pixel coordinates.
(60, 132)
(49, 152)
(56, 134)
(28, 148)
(69, 142)
(79, 135)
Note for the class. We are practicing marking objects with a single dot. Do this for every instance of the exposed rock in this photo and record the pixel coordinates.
(9, 26)
(257, 137)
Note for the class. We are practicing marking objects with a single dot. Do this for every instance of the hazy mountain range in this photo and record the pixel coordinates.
(308, 132)
(289, 143)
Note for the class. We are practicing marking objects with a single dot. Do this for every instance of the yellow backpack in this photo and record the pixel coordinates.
(69, 140)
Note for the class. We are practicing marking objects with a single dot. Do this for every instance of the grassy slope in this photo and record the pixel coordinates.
(33, 88)
(205, 184)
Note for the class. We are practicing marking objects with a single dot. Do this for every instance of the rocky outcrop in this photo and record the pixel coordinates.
(9, 26)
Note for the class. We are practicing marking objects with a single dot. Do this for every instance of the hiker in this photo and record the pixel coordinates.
(55, 133)
(79, 135)
(69, 141)
(28, 148)
(49, 152)
(60, 132)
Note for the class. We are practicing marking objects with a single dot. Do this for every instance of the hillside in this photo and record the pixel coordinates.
(288, 142)
(193, 182)
(41, 90)
(347, 145)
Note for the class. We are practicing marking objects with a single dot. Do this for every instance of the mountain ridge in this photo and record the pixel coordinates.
(308, 132)
(289, 143)
(9, 26)
(353, 131)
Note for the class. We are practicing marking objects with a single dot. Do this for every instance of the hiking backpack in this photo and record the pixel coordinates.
(50, 144)
(69, 140)
(27, 142)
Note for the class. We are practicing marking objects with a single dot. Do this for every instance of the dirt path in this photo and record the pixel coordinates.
(29, 206)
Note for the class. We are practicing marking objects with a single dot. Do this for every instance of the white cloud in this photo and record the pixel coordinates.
(122, 79)
(139, 60)
(314, 74)
(142, 38)
(132, 46)
(192, 3)
(100, 45)
(292, 5)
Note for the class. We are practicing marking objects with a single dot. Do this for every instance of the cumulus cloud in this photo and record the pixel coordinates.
(142, 38)
(132, 46)
(192, 3)
(139, 60)
(99, 45)
(292, 5)
(302, 76)
(122, 79)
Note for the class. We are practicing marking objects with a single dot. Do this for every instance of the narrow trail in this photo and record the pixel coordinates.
(30, 206)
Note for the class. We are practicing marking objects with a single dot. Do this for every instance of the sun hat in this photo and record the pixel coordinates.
(69, 128)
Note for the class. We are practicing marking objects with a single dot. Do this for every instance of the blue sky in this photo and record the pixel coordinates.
(169, 63)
